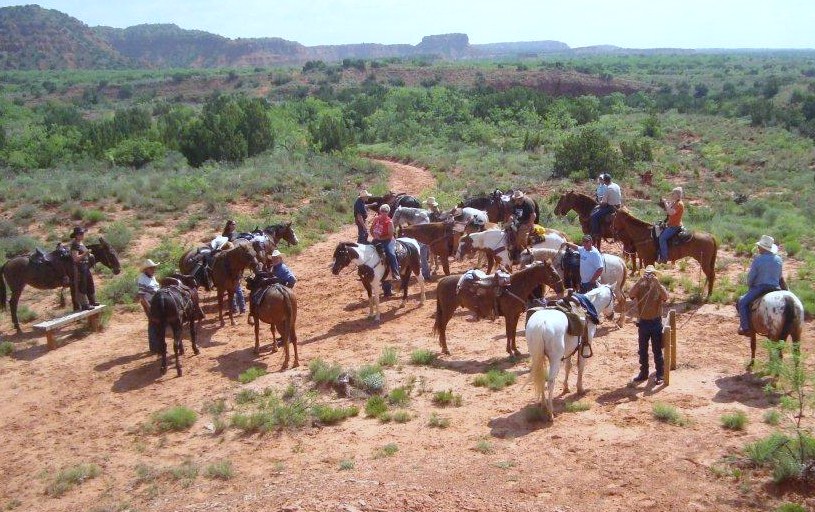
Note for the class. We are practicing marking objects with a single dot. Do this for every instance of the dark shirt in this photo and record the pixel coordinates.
(79, 247)
(360, 208)
(524, 211)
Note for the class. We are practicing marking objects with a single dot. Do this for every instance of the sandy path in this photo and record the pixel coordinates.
(85, 401)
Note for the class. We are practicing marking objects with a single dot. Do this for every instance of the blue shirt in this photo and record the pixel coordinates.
(360, 208)
(284, 274)
(765, 271)
(590, 261)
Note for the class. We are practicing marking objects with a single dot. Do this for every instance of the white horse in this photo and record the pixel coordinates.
(546, 337)
(777, 315)
(409, 216)
(495, 243)
(614, 271)
(365, 255)
(470, 215)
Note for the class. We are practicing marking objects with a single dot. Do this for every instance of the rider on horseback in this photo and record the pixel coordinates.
(601, 188)
(673, 225)
(383, 236)
(612, 200)
(433, 208)
(524, 218)
(765, 276)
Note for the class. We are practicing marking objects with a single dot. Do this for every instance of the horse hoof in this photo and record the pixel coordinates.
(178, 373)
(516, 353)
(162, 371)
(295, 365)
(196, 351)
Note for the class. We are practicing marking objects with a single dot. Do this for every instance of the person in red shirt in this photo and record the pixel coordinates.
(383, 234)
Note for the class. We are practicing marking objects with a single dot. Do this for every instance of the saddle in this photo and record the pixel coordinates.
(486, 288)
(59, 260)
(577, 322)
(678, 239)
(402, 250)
(258, 285)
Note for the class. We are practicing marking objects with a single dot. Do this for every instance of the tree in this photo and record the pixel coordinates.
(331, 132)
(588, 151)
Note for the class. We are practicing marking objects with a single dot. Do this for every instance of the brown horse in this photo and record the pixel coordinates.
(274, 304)
(174, 304)
(21, 271)
(512, 302)
(227, 269)
(583, 206)
(701, 246)
(441, 237)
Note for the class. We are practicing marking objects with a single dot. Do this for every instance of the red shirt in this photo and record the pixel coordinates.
(382, 228)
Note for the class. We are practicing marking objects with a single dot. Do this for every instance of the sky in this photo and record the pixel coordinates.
(626, 23)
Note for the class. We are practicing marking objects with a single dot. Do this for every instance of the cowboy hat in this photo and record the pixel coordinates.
(364, 193)
(78, 230)
(677, 192)
(275, 254)
(767, 243)
(588, 238)
(431, 201)
(385, 208)
(148, 263)
(650, 269)
(517, 194)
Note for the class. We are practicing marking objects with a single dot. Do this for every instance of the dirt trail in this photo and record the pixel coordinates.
(84, 403)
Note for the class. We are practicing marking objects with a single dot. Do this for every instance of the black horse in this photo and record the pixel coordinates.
(175, 303)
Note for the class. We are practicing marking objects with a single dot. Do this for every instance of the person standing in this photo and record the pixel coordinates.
(525, 218)
(281, 271)
(230, 232)
(766, 275)
(148, 286)
(650, 296)
(83, 279)
(591, 263)
(360, 215)
(674, 209)
(611, 201)
(383, 235)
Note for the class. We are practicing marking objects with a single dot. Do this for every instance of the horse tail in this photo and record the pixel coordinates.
(790, 318)
(289, 313)
(712, 277)
(158, 313)
(539, 371)
(2, 288)
(439, 313)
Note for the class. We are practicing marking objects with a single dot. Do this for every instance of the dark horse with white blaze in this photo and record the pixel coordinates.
(22, 270)
(175, 304)
(273, 303)
(227, 269)
(511, 302)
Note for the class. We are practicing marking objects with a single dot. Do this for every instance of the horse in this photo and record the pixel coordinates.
(583, 206)
(547, 337)
(174, 304)
(498, 205)
(498, 246)
(394, 200)
(274, 304)
(777, 315)
(371, 268)
(21, 271)
(441, 237)
(511, 302)
(284, 231)
(227, 269)
(701, 246)
(410, 216)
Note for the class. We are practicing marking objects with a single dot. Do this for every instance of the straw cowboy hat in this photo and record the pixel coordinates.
(78, 230)
(148, 263)
(650, 270)
(677, 193)
(431, 201)
(767, 243)
(517, 194)
(364, 194)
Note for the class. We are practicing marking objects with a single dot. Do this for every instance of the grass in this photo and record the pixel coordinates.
(669, 414)
(25, 314)
(389, 450)
(376, 406)
(246, 396)
(772, 417)
(577, 406)
(389, 357)
(447, 398)
(422, 357)
(174, 419)
(402, 416)
(734, 421)
(483, 446)
(791, 507)
(370, 379)
(327, 415)
(215, 407)
(251, 374)
(275, 414)
(437, 421)
(347, 464)
(221, 470)
(6, 348)
(68, 478)
(495, 380)
(789, 457)
(322, 373)
(399, 397)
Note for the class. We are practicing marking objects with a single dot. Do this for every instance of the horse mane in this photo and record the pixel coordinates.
(638, 222)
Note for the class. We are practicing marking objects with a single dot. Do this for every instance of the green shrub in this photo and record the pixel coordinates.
(121, 289)
(389, 450)
(389, 357)
(68, 478)
(221, 470)
(370, 378)
(437, 421)
(375, 406)
(251, 374)
(94, 216)
(668, 414)
(772, 417)
(587, 151)
(791, 507)
(483, 446)
(735, 421)
(327, 415)
(495, 380)
(6, 348)
(402, 416)
(347, 464)
(577, 406)
(25, 314)
(422, 357)
(399, 397)
(167, 254)
(175, 419)
(119, 235)
(447, 398)
(136, 152)
(322, 373)
(246, 396)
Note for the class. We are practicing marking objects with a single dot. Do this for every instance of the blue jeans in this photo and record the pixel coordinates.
(651, 330)
(390, 252)
(362, 234)
(239, 302)
(424, 256)
(666, 235)
(597, 217)
(743, 305)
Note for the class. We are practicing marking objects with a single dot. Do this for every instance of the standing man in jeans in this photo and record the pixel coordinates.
(612, 199)
(591, 263)
(148, 286)
(650, 296)
(360, 214)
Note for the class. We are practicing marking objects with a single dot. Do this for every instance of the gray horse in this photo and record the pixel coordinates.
(410, 216)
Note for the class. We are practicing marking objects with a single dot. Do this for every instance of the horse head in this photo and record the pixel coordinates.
(465, 247)
(281, 232)
(548, 275)
(564, 204)
(342, 257)
(106, 255)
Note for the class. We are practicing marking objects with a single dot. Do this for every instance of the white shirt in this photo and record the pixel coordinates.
(601, 191)
(590, 261)
(148, 286)
(613, 195)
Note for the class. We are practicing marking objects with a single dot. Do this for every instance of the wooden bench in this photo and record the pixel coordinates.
(50, 327)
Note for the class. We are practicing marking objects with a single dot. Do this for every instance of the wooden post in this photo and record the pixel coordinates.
(50, 340)
(93, 323)
(666, 353)
(672, 323)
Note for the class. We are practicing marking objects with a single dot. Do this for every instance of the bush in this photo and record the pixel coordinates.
(347, 464)
(67, 479)
(174, 419)
(577, 406)
(446, 398)
(399, 397)
(389, 357)
(668, 414)
(370, 379)
(402, 416)
(25, 314)
(6, 348)
(389, 450)
(589, 152)
(422, 357)
(322, 373)
(772, 417)
(327, 415)
(791, 507)
(221, 470)
(437, 421)
(375, 406)
(251, 374)
(483, 446)
(119, 236)
(136, 153)
(495, 380)
(651, 127)
(735, 421)
(121, 289)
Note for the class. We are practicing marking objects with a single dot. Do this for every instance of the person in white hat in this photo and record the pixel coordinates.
(766, 275)
(525, 218)
(674, 207)
(360, 214)
(650, 296)
(433, 208)
(148, 285)
(280, 270)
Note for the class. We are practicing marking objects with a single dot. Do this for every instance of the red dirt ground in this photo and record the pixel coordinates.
(84, 403)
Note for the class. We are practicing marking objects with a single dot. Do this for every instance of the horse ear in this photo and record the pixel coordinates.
(288, 224)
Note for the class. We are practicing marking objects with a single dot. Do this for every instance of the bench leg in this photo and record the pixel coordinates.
(49, 338)
(93, 323)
